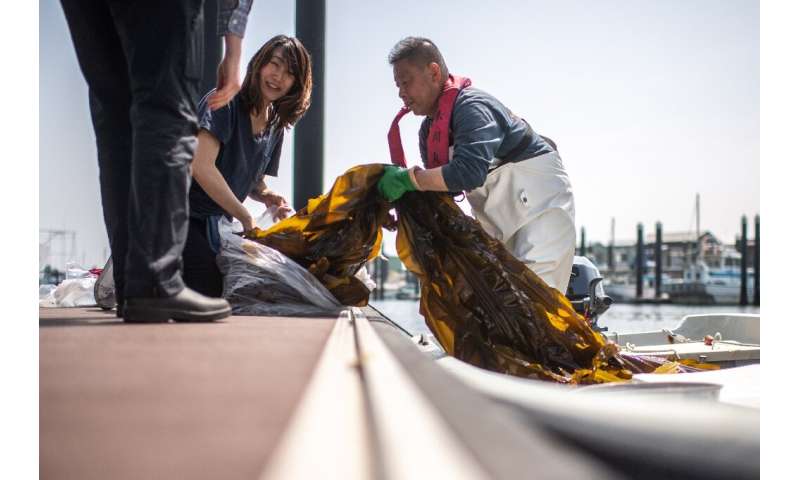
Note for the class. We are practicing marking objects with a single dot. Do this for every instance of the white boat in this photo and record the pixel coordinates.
(727, 340)
(689, 425)
(624, 290)
(712, 280)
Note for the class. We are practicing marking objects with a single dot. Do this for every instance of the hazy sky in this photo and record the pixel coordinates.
(650, 102)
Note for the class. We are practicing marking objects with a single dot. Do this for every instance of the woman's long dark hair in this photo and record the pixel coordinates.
(287, 110)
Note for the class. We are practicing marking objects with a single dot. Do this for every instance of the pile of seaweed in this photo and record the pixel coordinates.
(336, 233)
(484, 306)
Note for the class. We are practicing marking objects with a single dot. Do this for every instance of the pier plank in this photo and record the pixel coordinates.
(168, 400)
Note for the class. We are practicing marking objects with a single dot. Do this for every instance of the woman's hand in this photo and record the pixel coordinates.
(282, 209)
(272, 199)
(247, 222)
(283, 212)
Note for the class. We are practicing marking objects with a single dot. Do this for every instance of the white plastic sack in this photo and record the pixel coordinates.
(46, 295)
(363, 276)
(258, 280)
(76, 291)
(267, 220)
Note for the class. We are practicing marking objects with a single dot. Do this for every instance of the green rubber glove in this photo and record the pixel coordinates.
(395, 182)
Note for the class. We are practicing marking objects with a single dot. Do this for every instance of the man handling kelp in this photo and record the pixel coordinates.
(513, 177)
(484, 306)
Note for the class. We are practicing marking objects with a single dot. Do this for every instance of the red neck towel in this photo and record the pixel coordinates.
(439, 133)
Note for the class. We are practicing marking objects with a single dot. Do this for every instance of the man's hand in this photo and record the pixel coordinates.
(228, 82)
(395, 182)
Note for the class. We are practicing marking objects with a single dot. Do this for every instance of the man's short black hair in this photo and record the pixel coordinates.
(418, 50)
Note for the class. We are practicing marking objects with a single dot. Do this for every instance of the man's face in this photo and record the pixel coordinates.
(418, 87)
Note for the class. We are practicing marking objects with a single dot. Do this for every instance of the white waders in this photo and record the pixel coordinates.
(529, 207)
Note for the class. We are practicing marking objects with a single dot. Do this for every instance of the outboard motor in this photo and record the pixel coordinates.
(585, 291)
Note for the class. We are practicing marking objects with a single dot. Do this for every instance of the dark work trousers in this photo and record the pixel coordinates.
(200, 270)
(142, 61)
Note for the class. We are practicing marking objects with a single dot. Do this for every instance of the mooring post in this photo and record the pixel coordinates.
(639, 260)
(757, 263)
(381, 277)
(743, 267)
(658, 261)
(309, 135)
(583, 242)
(611, 249)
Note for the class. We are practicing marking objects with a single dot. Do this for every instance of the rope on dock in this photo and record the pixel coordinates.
(390, 320)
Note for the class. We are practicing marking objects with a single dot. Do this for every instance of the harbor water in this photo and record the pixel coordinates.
(621, 318)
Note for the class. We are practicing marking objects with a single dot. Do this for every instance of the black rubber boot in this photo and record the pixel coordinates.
(186, 306)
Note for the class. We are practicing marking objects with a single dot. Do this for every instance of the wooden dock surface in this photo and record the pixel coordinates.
(168, 400)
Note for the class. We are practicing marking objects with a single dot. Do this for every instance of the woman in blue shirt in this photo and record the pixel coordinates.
(238, 145)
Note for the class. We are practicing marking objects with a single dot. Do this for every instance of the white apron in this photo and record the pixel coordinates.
(529, 207)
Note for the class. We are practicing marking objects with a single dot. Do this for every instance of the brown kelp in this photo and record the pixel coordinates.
(483, 305)
(336, 233)
(487, 308)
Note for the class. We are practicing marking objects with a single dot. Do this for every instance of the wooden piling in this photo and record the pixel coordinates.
(611, 248)
(639, 260)
(583, 242)
(658, 256)
(757, 263)
(743, 265)
(309, 135)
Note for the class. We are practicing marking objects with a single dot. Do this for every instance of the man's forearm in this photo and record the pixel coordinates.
(429, 180)
(233, 47)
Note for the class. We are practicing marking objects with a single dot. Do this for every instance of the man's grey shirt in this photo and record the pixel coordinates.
(482, 129)
(232, 17)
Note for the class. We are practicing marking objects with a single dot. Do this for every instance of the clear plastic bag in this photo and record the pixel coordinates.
(46, 295)
(76, 291)
(74, 270)
(259, 280)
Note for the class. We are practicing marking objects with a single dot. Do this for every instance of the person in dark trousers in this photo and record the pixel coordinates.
(238, 146)
(142, 62)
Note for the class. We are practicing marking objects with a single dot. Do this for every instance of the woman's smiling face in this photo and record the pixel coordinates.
(275, 78)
